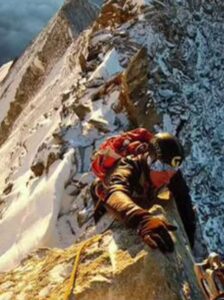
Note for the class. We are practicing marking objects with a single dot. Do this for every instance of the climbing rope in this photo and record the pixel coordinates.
(74, 273)
(73, 277)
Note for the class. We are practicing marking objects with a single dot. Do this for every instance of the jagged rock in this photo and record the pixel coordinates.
(8, 189)
(112, 265)
(45, 157)
(112, 15)
(52, 157)
(38, 169)
(135, 87)
(42, 57)
(83, 63)
(81, 110)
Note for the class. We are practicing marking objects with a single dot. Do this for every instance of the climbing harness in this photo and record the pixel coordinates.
(210, 275)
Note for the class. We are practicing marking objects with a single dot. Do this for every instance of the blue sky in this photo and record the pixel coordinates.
(20, 21)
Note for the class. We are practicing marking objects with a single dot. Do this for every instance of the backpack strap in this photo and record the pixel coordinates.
(146, 162)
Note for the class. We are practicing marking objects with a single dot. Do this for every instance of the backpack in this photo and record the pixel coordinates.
(132, 142)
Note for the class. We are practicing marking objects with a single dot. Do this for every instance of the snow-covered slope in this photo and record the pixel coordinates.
(4, 70)
(30, 112)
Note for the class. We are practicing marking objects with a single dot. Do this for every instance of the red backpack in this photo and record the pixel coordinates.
(132, 142)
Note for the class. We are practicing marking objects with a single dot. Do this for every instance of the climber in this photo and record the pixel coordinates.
(136, 180)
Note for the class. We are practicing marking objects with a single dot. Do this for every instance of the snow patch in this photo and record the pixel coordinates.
(4, 70)
(109, 67)
(30, 221)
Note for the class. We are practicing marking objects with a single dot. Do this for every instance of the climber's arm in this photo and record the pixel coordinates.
(121, 183)
(153, 230)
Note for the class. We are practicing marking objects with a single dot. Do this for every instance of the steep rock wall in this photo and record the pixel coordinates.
(112, 265)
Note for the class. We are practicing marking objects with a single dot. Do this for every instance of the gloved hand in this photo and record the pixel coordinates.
(155, 233)
(153, 230)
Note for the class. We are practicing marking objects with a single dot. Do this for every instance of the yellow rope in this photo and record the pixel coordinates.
(73, 276)
(74, 273)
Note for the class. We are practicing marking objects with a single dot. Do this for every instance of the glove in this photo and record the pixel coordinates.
(153, 230)
(155, 233)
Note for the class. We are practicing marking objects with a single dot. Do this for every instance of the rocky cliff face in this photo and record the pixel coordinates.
(156, 64)
(112, 265)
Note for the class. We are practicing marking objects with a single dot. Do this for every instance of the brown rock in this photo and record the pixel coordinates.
(113, 265)
(81, 110)
(82, 62)
(52, 157)
(8, 189)
(38, 169)
(134, 92)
